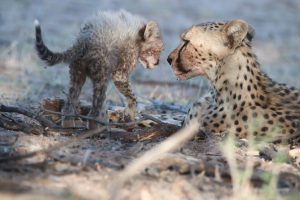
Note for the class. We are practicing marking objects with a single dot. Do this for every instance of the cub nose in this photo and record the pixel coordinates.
(169, 60)
(157, 62)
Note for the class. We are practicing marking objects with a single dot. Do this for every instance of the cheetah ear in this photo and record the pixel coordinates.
(235, 32)
(151, 30)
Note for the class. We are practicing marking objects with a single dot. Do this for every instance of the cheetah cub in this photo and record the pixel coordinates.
(108, 46)
(244, 100)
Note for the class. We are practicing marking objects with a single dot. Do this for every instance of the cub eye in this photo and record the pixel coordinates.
(149, 52)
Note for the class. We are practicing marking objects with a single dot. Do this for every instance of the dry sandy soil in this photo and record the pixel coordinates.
(87, 169)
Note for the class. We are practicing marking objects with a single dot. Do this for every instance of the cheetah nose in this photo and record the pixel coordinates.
(157, 62)
(169, 60)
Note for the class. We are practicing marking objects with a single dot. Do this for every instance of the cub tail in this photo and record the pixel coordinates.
(51, 58)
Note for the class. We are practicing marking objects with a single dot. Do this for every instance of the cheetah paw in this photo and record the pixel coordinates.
(129, 114)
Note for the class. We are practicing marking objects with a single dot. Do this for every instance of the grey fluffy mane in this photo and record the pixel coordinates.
(112, 28)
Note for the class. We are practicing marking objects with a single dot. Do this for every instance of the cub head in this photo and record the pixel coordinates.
(151, 45)
(204, 46)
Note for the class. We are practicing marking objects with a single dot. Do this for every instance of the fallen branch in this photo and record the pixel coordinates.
(76, 116)
(13, 125)
(146, 134)
(11, 109)
(149, 133)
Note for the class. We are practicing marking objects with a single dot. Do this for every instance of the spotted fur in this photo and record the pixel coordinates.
(109, 45)
(244, 100)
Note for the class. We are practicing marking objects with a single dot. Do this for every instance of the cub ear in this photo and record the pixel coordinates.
(151, 30)
(235, 31)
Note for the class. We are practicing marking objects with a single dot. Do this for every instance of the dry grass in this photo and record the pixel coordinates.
(137, 165)
(24, 80)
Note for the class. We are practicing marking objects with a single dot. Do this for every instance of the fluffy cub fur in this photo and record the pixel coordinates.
(108, 46)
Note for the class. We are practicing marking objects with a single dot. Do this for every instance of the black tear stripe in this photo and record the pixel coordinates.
(178, 60)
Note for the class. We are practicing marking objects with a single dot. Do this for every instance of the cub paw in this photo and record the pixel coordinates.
(92, 125)
(103, 117)
(67, 123)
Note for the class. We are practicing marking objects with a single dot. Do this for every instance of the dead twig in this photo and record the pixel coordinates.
(76, 115)
(149, 133)
(167, 83)
(149, 117)
(125, 124)
(166, 106)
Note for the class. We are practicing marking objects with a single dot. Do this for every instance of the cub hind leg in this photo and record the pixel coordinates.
(99, 75)
(77, 80)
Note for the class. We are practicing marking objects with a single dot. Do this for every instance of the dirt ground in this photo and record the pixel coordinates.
(87, 169)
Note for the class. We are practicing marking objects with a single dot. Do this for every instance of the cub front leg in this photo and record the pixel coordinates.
(122, 83)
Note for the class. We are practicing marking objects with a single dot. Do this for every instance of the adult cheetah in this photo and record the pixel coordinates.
(244, 100)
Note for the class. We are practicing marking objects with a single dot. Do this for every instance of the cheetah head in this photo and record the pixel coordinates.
(151, 45)
(204, 46)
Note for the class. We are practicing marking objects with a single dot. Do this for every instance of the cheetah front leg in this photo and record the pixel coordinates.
(122, 83)
(197, 110)
(210, 117)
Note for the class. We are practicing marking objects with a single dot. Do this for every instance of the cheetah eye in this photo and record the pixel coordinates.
(185, 40)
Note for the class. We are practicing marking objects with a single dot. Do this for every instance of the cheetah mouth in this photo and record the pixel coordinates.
(146, 64)
(188, 74)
